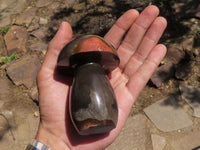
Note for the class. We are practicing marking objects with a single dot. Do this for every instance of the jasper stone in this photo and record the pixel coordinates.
(93, 105)
(89, 48)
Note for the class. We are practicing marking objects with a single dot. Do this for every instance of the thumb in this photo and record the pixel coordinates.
(62, 37)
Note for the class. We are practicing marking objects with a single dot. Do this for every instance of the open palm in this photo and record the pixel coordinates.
(139, 56)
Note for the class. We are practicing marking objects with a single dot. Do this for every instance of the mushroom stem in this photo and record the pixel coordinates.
(93, 106)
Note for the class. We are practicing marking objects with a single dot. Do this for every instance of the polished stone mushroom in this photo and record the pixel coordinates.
(93, 107)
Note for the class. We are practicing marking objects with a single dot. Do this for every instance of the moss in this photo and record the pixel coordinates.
(198, 31)
(8, 59)
(4, 30)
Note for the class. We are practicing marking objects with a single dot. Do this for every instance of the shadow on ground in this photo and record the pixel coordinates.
(97, 18)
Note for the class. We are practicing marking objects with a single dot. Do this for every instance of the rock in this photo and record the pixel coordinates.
(9, 7)
(134, 135)
(24, 70)
(19, 137)
(188, 7)
(40, 33)
(187, 43)
(36, 113)
(163, 74)
(54, 5)
(184, 70)
(4, 88)
(7, 121)
(192, 96)
(174, 54)
(177, 6)
(197, 15)
(3, 122)
(34, 94)
(67, 4)
(43, 3)
(40, 46)
(26, 17)
(9, 116)
(34, 24)
(4, 126)
(15, 40)
(43, 21)
(187, 142)
(158, 142)
(196, 52)
(193, 25)
(167, 115)
(1, 104)
(2, 46)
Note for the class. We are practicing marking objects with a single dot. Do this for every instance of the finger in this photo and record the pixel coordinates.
(141, 77)
(122, 25)
(62, 37)
(136, 33)
(149, 41)
(117, 78)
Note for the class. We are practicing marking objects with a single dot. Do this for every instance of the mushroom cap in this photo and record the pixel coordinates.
(89, 49)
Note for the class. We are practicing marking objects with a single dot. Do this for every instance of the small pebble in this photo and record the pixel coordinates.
(44, 52)
(36, 114)
(43, 21)
(196, 52)
(163, 62)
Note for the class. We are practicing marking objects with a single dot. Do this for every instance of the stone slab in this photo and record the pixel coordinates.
(43, 3)
(9, 7)
(174, 54)
(187, 142)
(54, 5)
(187, 43)
(134, 135)
(19, 137)
(2, 46)
(24, 70)
(34, 24)
(167, 115)
(33, 93)
(39, 46)
(158, 142)
(15, 40)
(4, 127)
(192, 96)
(184, 70)
(163, 74)
(39, 33)
(4, 89)
(26, 17)
(7, 121)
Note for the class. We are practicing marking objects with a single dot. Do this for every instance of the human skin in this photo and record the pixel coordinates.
(135, 37)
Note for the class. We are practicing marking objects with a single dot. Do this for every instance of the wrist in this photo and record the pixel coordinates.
(50, 140)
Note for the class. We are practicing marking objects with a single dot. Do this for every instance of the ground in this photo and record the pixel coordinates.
(33, 23)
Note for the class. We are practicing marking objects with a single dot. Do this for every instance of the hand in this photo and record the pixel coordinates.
(139, 55)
